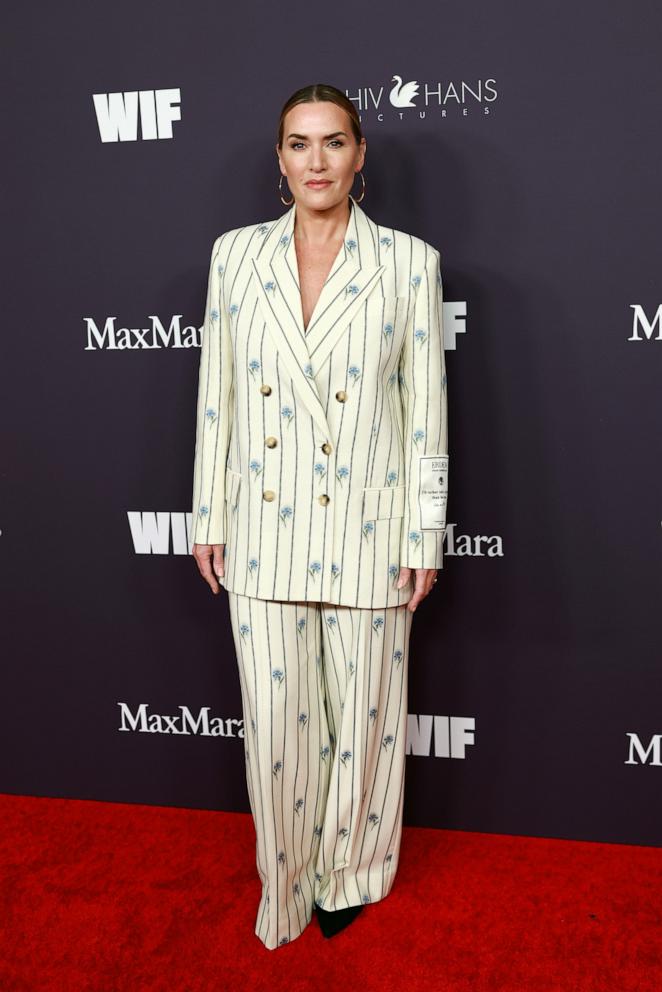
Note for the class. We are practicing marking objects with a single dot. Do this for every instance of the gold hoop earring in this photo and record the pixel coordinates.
(362, 191)
(288, 203)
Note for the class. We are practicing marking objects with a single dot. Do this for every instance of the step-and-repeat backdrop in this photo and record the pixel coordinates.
(523, 142)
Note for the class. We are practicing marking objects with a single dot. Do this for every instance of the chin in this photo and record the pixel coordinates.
(327, 197)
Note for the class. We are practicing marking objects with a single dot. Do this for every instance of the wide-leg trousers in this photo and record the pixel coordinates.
(324, 696)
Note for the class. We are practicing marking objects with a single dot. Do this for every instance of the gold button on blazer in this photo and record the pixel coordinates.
(355, 486)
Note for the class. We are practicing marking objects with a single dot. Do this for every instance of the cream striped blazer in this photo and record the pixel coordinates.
(321, 455)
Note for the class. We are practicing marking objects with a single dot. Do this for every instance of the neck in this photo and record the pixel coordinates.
(320, 227)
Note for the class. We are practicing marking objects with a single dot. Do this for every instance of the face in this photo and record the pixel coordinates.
(320, 156)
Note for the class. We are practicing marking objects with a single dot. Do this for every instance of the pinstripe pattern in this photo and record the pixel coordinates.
(366, 380)
(324, 694)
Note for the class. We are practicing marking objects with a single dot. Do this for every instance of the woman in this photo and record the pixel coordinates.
(319, 503)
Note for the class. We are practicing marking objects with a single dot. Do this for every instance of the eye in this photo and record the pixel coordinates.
(295, 143)
(336, 141)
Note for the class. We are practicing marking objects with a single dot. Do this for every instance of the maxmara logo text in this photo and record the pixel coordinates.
(185, 722)
(640, 754)
(110, 337)
(424, 99)
(641, 325)
(164, 532)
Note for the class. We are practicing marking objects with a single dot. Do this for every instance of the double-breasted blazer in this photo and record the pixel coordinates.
(321, 454)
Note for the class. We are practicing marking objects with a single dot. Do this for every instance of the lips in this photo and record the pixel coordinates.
(320, 183)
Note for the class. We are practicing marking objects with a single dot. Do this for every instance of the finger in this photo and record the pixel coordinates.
(424, 582)
(418, 594)
(206, 571)
(217, 566)
(219, 561)
(199, 553)
(405, 574)
(204, 560)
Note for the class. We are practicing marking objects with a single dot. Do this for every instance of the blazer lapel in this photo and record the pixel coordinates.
(353, 275)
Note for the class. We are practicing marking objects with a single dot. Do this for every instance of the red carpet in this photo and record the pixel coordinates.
(107, 897)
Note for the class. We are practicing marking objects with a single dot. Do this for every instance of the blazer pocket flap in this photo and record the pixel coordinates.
(232, 486)
(389, 309)
(379, 504)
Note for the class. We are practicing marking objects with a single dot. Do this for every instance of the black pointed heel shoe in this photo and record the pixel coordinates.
(333, 921)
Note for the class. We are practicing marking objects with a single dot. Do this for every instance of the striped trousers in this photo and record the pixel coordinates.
(324, 696)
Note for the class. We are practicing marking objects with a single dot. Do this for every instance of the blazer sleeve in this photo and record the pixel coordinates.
(214, 410)
(422, 379)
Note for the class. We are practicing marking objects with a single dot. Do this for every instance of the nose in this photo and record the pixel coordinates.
(317, 161)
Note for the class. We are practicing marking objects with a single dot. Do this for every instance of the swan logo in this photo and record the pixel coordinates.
(426, 98)
(402, 94)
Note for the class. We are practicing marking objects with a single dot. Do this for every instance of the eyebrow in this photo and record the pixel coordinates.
(325, 138)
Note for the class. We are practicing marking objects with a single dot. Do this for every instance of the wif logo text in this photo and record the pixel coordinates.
(118, 114)
(452, 734)
(151, 531)
(454, 318)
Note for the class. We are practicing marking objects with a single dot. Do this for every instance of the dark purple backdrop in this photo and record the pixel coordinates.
(540, 186)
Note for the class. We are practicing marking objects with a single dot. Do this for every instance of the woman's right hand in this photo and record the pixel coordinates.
(209, 558)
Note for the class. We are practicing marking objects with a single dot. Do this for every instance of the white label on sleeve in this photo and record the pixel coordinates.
(433, 491)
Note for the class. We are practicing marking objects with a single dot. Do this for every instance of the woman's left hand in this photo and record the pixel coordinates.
(423, 582)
